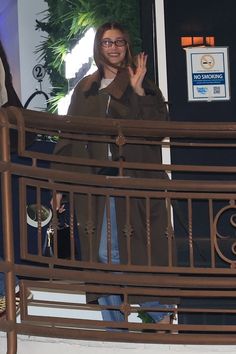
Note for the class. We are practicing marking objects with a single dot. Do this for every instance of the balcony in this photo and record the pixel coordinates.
(197, 271)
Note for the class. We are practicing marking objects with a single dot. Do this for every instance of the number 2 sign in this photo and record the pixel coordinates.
(39, 72)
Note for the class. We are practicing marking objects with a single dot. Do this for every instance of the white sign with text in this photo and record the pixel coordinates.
(207, 73)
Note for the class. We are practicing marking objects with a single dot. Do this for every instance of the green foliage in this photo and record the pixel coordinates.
(66, 22)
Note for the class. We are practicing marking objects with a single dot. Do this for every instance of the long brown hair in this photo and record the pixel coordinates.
(97, 53)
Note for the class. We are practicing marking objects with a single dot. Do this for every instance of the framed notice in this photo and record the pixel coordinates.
(208, 74)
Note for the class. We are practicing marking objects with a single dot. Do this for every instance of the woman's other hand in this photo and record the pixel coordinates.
(59, 207)
(137, 74)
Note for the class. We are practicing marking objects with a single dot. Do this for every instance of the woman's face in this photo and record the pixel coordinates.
(114, 53)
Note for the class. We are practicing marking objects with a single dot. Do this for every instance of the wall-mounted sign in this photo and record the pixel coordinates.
(207, 74)
(39, 72)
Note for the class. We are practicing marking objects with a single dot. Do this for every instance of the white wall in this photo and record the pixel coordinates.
(34, 345)
(29, 38)
(162, 67)
(20, 39)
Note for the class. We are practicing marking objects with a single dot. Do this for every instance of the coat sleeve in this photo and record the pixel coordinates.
(69, 147)
(73, 107)
(151, 106)
(64, 146)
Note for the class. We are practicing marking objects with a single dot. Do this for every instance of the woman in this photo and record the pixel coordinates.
(119, 90)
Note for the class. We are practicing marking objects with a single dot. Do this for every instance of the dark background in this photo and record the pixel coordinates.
(195, 18)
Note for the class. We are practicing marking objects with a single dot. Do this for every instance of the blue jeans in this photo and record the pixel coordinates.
(115, 300)
(2, 282)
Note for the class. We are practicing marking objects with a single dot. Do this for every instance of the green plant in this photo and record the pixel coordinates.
(66, 22)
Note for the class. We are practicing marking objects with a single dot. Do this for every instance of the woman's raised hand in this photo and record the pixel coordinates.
(137, 74)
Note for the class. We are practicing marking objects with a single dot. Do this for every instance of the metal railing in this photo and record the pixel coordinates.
(197, 268)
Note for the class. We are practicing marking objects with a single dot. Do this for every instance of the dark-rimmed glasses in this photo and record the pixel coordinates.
(107, 43)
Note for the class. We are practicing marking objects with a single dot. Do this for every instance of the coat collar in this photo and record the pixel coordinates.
(115, 89)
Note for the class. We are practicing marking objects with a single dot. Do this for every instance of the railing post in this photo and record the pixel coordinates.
(8, 241)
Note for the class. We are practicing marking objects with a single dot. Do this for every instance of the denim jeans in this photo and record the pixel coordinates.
(2, 282)
(116, 300)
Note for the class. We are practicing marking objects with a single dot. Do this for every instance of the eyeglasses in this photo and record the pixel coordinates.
(107, 43)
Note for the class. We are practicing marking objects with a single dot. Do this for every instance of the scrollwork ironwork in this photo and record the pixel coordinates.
(225, 245)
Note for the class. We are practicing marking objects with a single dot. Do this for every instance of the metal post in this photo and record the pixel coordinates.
(7, 218)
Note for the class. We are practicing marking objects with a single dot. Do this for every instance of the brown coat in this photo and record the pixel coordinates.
(119, 101)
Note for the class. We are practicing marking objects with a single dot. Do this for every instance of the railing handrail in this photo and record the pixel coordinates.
(210, 268)
(129, 127)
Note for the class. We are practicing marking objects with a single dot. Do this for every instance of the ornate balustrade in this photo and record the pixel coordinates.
(196, 270)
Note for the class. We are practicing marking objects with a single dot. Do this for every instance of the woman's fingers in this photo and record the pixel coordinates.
(61, 209)
(137, 75)
(142, 60)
